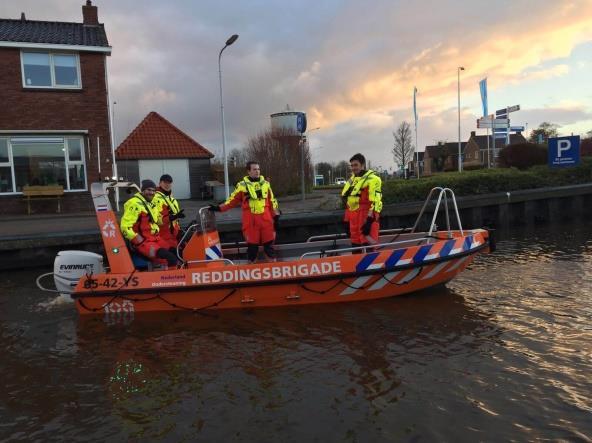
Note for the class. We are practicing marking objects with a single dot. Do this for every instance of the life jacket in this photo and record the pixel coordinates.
(254, 196)
(364, 192)
(139, 217)
(167, 205)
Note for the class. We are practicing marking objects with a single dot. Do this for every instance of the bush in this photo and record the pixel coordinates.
(586, 147)
(487, 181)
(523, 155)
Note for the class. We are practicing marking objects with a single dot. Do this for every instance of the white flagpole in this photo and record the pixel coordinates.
(415, 116)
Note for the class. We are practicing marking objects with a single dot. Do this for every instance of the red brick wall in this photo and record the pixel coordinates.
(55, 109)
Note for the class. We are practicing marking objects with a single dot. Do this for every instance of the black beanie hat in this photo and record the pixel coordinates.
(148, 184)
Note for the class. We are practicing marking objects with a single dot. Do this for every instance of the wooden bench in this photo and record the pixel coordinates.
(43, 192)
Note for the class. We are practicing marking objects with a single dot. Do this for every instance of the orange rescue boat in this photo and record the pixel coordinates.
(324, 269)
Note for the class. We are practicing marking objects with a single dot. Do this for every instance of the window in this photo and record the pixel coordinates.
(42, 161)
(50, 70)
(5, 169)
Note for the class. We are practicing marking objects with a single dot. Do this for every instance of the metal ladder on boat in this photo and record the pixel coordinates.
(443, 194)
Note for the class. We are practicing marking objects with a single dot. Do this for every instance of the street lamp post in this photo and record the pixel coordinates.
(229, 42)
(460, 68)
(304, 140)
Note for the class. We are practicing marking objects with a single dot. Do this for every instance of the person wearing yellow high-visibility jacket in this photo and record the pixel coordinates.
(362, 197)
(170, 211)
(261, 212)
(139, 225)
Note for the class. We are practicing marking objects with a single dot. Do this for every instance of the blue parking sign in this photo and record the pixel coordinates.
(564, 151)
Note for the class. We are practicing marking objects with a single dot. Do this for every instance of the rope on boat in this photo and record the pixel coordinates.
(155, 297)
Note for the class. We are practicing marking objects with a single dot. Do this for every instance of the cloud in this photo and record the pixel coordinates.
(351, 67)
(563, 114)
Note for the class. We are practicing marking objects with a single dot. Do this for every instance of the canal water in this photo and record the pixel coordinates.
(504, 352)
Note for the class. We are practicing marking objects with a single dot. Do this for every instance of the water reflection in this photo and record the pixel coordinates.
(344, 359)
(502, 353)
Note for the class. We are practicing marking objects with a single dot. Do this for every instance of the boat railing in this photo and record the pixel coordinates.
(324, 237)
(443, 192)
(224, 260)
(363, 249)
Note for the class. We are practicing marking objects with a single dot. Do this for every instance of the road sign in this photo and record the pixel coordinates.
(517, 128)
(507, 110)
(493, 123)
(564, 151)
(500, 136)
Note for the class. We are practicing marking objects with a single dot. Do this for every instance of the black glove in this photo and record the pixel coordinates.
(178, 215)
(214, 208)
(367, 226)
(346, 227)
(276, 222)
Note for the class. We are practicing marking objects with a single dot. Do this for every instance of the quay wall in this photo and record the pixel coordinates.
(501, 211)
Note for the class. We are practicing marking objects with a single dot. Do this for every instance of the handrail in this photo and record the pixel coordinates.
(443, 192)
(180, 242)
(357, 248)
(226, 260)
(326, 237)
(338, 236)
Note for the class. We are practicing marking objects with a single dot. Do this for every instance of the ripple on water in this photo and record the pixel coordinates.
(502, 353)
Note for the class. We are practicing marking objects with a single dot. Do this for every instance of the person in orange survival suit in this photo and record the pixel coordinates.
(261, 212)
(362, 197)
(139, 225)
(170, 212)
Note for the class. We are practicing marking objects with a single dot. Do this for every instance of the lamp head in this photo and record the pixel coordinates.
(232, 39)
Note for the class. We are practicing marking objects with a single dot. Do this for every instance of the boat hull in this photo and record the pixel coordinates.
(342, 279)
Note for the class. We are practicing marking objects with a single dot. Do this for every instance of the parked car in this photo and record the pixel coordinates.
(340, 181)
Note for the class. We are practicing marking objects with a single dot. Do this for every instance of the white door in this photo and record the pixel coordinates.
(177, 168)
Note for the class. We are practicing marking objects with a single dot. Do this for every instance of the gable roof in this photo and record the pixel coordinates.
(54, 33)
(156, 137)
(481, 140)
(450, 148)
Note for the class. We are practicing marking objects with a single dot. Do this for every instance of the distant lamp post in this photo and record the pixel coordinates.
(302, 142)
(460, 68)
(229, 42)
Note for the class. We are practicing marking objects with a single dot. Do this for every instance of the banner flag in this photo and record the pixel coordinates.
(415, 105)
(483, 89)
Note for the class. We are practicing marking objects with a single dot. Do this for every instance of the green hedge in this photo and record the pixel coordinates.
(487, 181)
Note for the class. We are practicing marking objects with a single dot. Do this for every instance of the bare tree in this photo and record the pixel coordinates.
(279, 154)
(403, 147)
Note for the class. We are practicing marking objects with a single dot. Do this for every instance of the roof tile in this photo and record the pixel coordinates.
(57, 33)
(156, 137)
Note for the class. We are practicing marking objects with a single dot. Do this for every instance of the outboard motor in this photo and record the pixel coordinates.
(69, 266)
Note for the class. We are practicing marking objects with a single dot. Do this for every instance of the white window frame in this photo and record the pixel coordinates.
(9, 164)
(67, 161)
(75, 162)
(52, 70)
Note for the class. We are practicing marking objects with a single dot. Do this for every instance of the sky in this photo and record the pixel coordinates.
(350, 65)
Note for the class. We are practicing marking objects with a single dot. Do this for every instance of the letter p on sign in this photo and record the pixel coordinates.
(563, 145)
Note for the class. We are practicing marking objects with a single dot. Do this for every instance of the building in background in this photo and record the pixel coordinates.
(54, 113)
(157, 147)
(476, 150)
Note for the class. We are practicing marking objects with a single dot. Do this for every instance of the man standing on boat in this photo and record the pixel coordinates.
(362, 198)
(170, 212)
(260, 211)
(139, 225)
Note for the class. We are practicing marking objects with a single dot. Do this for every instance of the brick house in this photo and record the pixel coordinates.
(54, 122)
(442, 157)
(157, 147)
(476, 149)
(416, 163)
